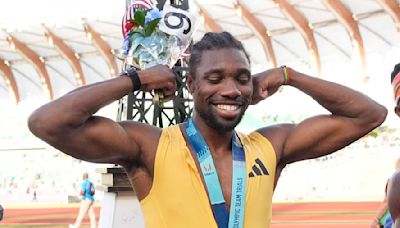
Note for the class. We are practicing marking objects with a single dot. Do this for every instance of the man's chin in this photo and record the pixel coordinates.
(225, 125)
(220, 123)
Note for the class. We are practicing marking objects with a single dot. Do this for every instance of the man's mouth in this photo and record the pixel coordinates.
(227, 107)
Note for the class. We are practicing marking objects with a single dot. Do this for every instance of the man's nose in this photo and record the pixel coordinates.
(231, 89)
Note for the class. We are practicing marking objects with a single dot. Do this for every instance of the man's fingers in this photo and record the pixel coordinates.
(259, 94)
(169, 91)
(263, 94)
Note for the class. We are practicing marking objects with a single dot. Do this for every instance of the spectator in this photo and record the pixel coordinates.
(87, 192)
(383, 218)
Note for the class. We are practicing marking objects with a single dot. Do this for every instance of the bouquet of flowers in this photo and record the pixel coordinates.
(154, 37)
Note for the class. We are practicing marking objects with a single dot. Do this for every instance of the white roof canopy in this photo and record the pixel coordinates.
(47, 49)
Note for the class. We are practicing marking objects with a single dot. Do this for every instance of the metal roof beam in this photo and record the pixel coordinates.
(260, 30)
(209, 22)
(68, 54)
(301, 24)
(346, 18)
(10, 80)
(103, 48)
(393, 9)
(36, 61)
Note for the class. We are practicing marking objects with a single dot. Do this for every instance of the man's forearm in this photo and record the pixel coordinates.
(382, 210)
(89, 99)
(78, 105)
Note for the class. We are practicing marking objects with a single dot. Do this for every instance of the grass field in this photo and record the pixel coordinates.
(285, 215)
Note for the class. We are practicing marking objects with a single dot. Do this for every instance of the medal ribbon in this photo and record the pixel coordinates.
(236, 217)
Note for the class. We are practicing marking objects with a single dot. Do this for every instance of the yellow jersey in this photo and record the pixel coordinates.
(178, 199)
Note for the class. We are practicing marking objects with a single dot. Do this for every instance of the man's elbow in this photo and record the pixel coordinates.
(39, 123)
(377, 116)
(36, 123)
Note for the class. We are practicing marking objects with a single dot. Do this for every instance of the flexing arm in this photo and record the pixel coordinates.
(69, 125)
(352, 116)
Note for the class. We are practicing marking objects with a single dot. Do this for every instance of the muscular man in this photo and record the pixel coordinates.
(394, 191)
(185, 175)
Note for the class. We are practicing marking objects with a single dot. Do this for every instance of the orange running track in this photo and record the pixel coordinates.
(285, 215)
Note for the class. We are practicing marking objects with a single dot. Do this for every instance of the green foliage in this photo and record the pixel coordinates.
(143, 28)
(150, 27)
(140, 17)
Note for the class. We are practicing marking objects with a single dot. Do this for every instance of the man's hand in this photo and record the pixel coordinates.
(266, 84)
(158, 77)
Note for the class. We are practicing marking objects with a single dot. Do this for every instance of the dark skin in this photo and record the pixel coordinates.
(394, 191)
(393, 199)
(222, 87)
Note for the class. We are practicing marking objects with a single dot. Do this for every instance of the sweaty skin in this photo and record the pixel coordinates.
(222, 89)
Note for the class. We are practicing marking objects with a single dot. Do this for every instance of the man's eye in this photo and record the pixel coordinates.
(244, 79)
(214, 79)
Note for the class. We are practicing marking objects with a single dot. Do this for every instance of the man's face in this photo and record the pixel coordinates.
(222, 88)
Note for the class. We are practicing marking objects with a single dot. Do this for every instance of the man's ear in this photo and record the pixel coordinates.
(190, 83)
(397, 110)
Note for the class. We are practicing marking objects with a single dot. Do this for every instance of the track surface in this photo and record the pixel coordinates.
(286, 215)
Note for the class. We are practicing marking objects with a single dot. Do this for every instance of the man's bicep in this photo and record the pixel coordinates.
(319, 136)
(100, 140)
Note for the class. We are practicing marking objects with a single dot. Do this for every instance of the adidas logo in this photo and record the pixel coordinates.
(258, 169)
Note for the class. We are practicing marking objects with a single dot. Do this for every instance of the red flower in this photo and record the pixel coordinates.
(128, 26)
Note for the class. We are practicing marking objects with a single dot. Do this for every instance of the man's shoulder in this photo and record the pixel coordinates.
(276, 132)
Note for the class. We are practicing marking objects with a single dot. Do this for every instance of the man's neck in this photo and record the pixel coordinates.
(218, 142)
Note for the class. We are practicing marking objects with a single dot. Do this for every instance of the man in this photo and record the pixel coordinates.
(383, 218)
(394, 184)
(1, 212)
(393, 199)
(180, 185)
(87, 193)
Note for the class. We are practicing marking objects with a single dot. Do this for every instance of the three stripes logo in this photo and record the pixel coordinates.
(258, 169)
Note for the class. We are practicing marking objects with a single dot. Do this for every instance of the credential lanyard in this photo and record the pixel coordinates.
(236, 217)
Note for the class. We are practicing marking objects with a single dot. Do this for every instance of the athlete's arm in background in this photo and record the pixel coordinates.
(352, 116)
(382, 209)
(69, 124)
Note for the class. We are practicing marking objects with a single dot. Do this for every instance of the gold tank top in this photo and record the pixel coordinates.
(178, 199)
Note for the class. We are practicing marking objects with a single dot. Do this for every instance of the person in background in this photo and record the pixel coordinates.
(383, 218)
(1, 212)
(394, 183)
(87, 192)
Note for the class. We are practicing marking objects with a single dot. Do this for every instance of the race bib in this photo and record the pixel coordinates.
(177, 22)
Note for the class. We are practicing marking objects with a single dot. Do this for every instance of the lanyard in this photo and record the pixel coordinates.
(236, 216)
